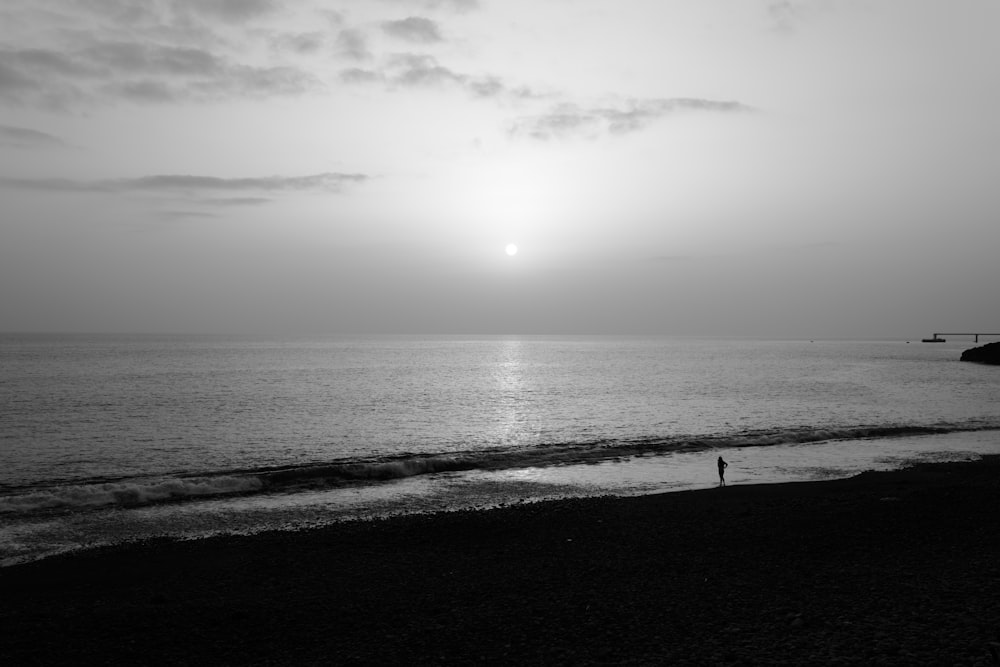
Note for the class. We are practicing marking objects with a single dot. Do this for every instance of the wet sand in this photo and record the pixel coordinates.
(885, 568)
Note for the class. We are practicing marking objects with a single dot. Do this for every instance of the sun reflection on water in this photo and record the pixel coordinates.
(511, 417)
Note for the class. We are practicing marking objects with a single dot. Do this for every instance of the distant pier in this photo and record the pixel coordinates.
(937, 338)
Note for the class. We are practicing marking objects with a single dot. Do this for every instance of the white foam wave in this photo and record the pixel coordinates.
(133, 493)
(126, 493)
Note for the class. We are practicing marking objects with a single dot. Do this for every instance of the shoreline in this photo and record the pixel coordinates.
(896, 567)
(28, 538)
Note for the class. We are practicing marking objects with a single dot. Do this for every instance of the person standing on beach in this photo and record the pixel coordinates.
(722, 471)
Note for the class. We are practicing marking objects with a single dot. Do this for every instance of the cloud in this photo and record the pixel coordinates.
(784, 15)
(247, 81)
(303, 43)
(122, 12)
(333, 17)
(236, 11)
(236, 201)
(185, 183)
(145, 90)
(422, 71)
(571, 120)
(89, 52)
(353, 44)
(413, 29)
(324, 181)
(38, 77)
(358, 75)
(12, 80)
(419, 70)
(453, 5)
(140, 72)
(48, 62)
(134, 57)
(23, 137)
(243, 82)
(485, 86)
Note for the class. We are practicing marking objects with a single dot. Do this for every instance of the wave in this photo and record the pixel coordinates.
(127, 494)
(138, 492)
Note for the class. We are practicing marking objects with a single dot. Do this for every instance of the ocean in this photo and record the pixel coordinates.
(106, 439)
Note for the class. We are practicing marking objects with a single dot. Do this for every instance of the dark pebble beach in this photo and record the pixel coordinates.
(887, 568)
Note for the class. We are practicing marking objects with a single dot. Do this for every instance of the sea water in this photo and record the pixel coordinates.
(110, 438)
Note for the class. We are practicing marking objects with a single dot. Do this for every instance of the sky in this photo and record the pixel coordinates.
(772, 168)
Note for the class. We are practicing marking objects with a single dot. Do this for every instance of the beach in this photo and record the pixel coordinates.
(899, 567)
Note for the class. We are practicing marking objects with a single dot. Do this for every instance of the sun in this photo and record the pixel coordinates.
(511, 249)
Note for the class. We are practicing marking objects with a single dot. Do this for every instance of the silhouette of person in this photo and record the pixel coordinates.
(722, 471)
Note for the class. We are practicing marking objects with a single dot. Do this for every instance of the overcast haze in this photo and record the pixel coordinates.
(709, 167)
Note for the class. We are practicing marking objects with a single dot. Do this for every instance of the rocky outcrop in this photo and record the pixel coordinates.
(985, 354)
